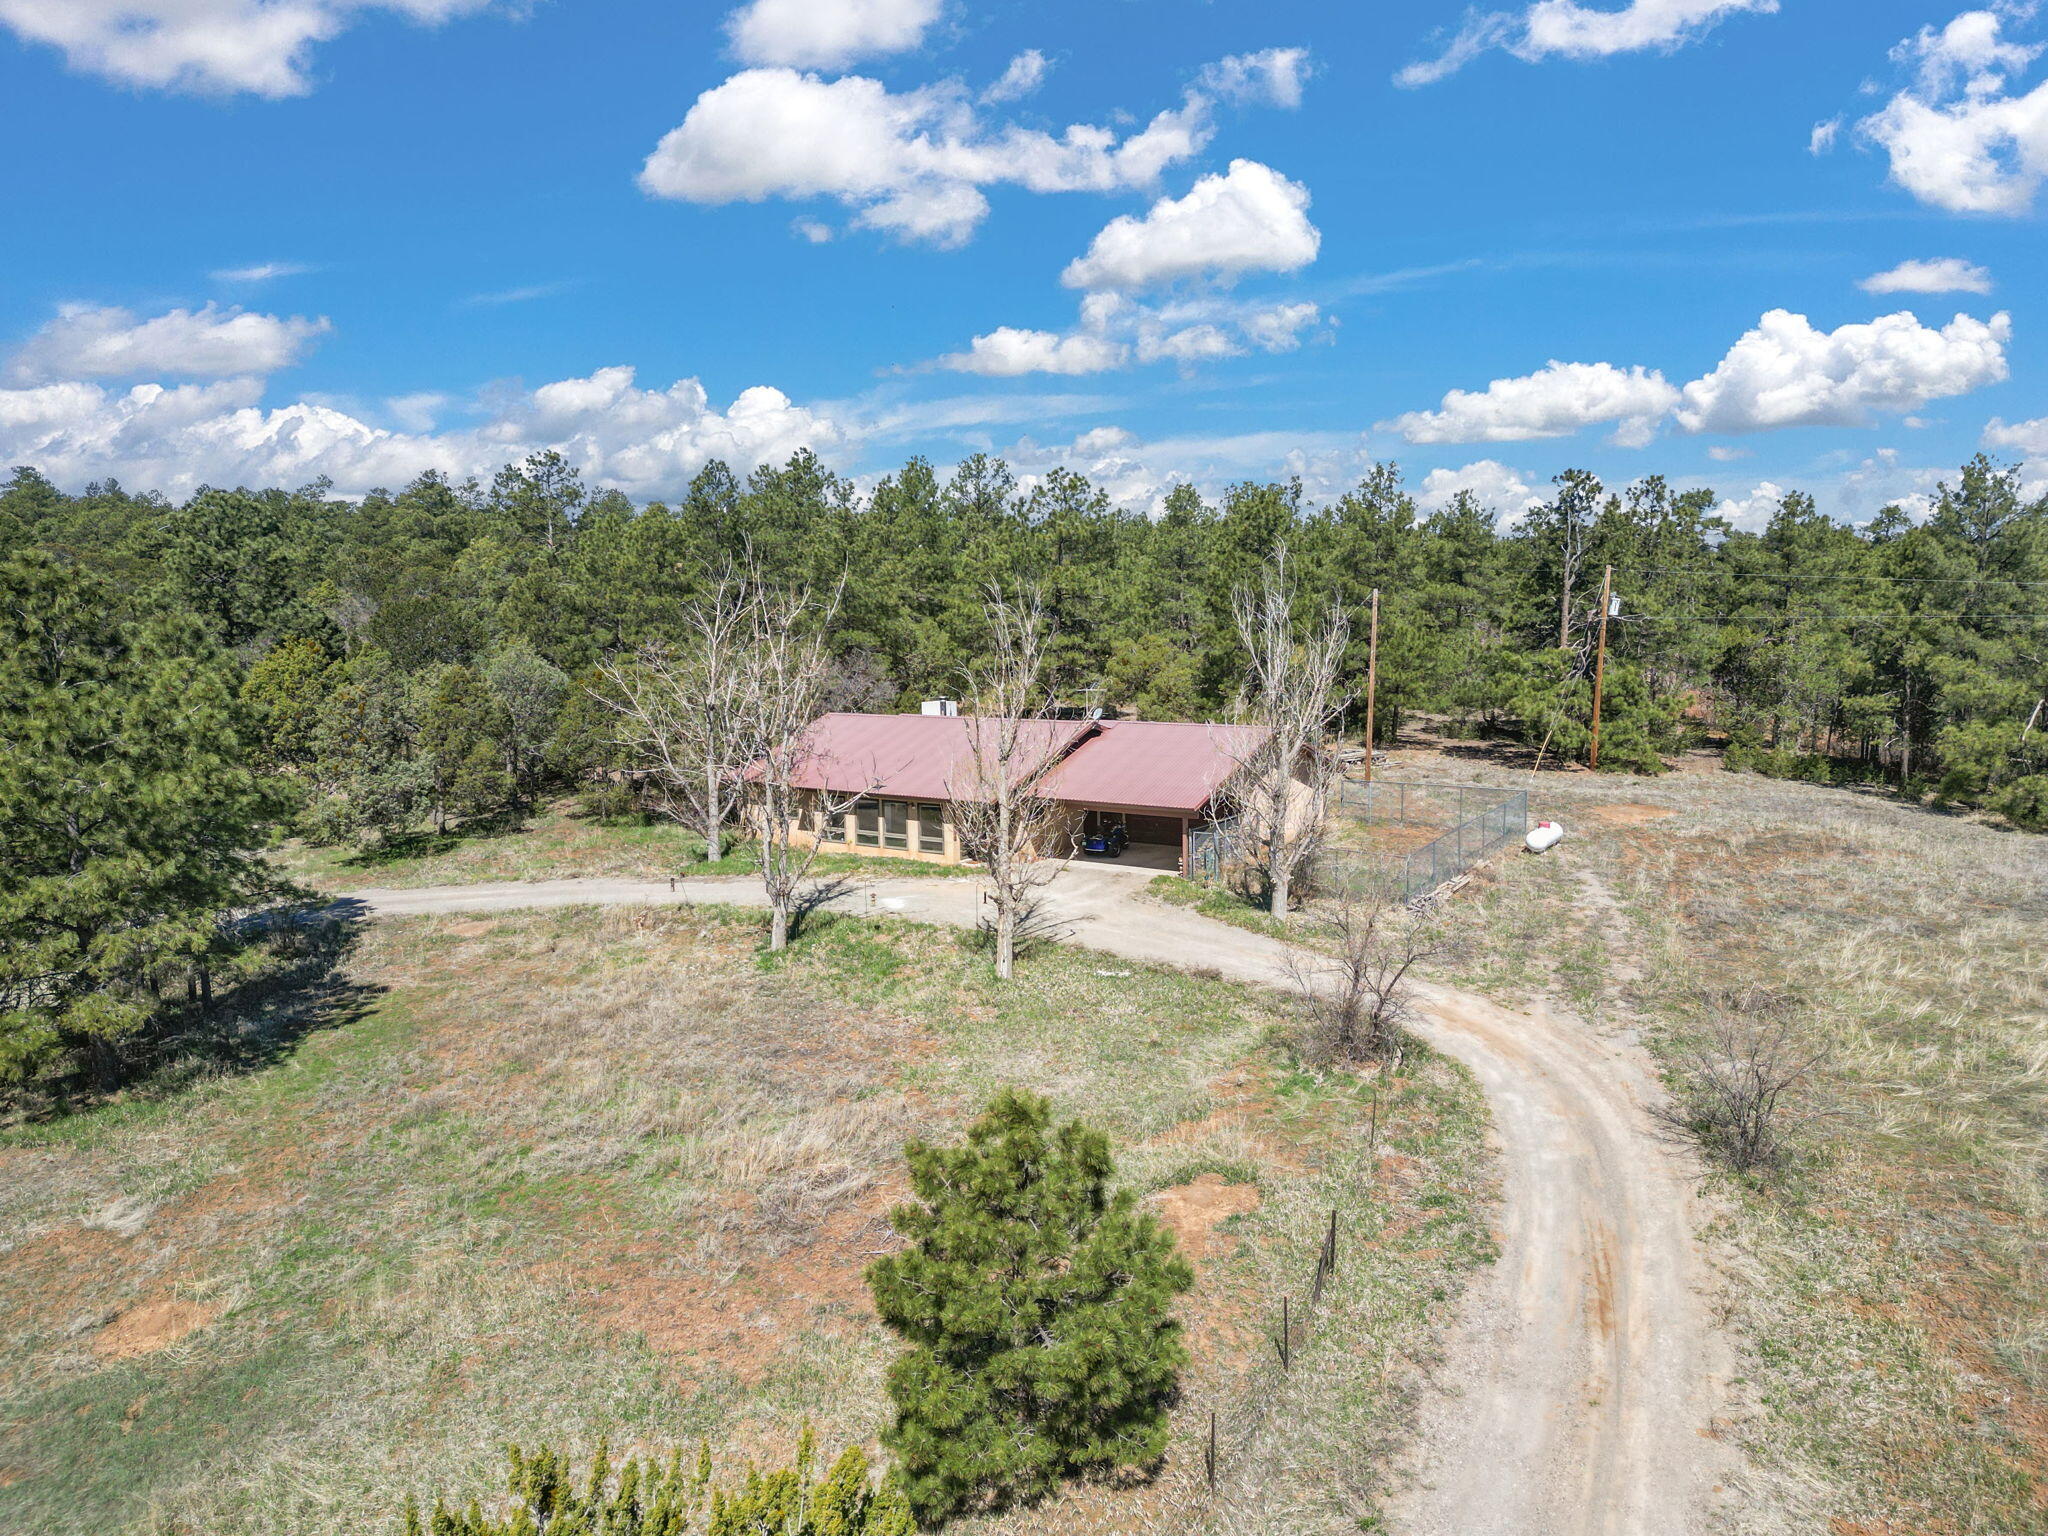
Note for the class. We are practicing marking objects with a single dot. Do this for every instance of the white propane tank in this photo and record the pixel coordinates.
(1543, 835)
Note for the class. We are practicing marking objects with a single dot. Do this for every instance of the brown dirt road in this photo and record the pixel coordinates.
(1584, 1373)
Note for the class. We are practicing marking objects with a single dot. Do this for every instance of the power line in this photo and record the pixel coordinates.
(1833, 618)
(1951, 581)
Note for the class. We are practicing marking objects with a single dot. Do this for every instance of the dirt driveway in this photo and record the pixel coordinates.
(1584, 1373)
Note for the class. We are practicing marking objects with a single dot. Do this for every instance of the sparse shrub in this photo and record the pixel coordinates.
(2024, 802)
(648, 1497)
(1356, 996)
(1037, 1304)
(1740, 1081)
(609, 803)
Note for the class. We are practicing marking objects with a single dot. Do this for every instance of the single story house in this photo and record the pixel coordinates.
(1159, 779)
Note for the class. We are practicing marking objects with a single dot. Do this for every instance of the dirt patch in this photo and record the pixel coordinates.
(150, 1327)
(476, 928)
(741, 1321)
(1629, 814)
(1193, 1212)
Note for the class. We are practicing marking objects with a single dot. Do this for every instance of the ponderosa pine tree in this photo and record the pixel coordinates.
(128, 813)
(1038, 1306)
(1907, 650)
(461, 736)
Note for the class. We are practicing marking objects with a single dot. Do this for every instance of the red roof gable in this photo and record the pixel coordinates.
(911, 757)
(1161, 767)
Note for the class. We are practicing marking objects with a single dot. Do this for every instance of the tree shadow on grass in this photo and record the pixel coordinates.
(417, 846)
(297, 984)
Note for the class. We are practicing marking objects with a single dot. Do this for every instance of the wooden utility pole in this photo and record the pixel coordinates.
(1600, 666)
(1372, 680)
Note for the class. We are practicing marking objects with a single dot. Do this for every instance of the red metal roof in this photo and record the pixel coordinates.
(911, 757)
(1158, 766)
(1152, 766)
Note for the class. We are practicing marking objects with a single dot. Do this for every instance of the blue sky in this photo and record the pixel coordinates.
(263, 240)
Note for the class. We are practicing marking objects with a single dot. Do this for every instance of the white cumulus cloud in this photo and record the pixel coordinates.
(104, 341)
(1504, 492)
(1944, 274)
(174, 439)
(1753, 512)
(1026, 73)
(827, 34)
(911, 162)
(1566, 29)
(1114, 331)
(1783, 372)
(1138, 474)
(261, 47)
(1958, 137)
(1273, 77)
(1008, 352)
(2027, 437)
(1251, 218)
(1786, 373)
(1555, 401)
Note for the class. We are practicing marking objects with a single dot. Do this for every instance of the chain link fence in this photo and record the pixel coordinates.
(1481, 820)
(1477, 821)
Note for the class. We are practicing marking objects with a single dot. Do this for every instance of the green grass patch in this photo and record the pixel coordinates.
(614, 1172)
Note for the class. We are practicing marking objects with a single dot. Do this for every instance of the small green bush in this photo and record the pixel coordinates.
(610, 802)
(1038, 1305)
(2024, 802)
(648, 1497)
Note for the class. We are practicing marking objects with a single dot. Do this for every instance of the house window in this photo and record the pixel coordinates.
(831, 826)
(867, 823)
(895, 824)
(931, 830)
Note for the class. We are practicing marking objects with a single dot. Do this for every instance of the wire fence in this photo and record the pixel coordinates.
(1477, 819)
(1482, 820)
(1209, 847)
(1234, 1427)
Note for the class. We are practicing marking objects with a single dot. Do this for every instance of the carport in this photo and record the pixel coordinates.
(1155, 776)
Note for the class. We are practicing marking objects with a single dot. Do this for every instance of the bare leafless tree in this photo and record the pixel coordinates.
(1006, 821)
(682, 707)
(785, 671)
(1290, 700)
(1358, 993)
(1740, 1082)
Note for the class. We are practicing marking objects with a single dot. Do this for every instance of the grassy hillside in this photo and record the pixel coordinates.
(553, 843)
(581, 1173)
(1890, 1291)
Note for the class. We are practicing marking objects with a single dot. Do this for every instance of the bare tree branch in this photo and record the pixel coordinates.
(1357, 996)
(1291, 698)
(682, 708)
(785, 671)
(1005, 820)
(1739, 1084)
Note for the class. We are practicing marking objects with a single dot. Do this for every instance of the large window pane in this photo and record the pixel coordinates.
(895, 824)
(931, 829)
(867, 824)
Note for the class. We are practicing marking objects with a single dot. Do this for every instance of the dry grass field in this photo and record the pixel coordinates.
(553, 843)
(580, 1173)
(1890, 1291)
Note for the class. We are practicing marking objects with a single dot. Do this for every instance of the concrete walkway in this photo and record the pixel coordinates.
(1583, 1371)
